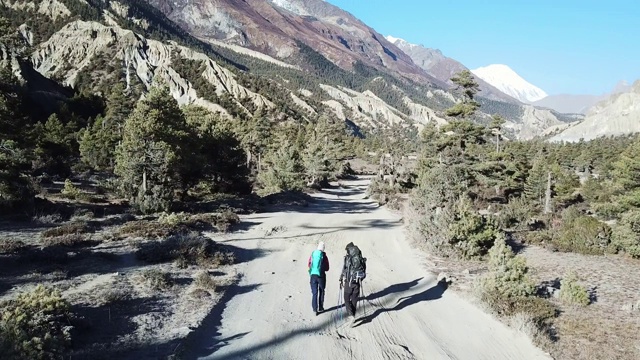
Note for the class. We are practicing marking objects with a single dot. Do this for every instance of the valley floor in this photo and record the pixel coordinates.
(406, 313)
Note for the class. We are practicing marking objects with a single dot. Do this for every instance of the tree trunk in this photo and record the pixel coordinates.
(144, 181)
(259, 163)
(547, 197)
(381, 168)
(248, 158)
(497, 143)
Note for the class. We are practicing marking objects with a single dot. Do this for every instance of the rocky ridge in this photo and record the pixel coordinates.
(78, 43)
(617, 115)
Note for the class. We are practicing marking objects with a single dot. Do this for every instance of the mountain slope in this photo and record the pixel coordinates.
(276, 28)
(617, 115)
(509, 82)
(443, 68)
(132, 42)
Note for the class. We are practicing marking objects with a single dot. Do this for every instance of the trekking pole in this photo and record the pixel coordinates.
(340, 302)
(364, 299)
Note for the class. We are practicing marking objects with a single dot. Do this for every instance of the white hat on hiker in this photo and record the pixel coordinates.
(321, 246)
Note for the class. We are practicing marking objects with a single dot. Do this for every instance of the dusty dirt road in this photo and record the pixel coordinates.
(406, 314)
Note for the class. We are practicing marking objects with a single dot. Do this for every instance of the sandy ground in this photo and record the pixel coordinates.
(406, 314)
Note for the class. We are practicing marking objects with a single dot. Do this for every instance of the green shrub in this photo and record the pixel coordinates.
(187, 249)
(508, 274)
(382, 192)
(626, 234)
(583, 234)
(70, 191)
(515, 214)
(573, 293)
(471, 234)
(35, 325)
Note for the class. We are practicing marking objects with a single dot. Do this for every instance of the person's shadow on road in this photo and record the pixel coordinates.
(433, 293)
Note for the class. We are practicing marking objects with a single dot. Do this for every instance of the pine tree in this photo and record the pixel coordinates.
(283, 171)
(536, 184)
(151, 157)
(98, 142)
(218, 161)
(469, 88)
(323, 149)
(626, 177)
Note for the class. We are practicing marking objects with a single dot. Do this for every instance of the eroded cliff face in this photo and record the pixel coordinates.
(368, 110)
(51, 8)
(73, 49)
(534, 122)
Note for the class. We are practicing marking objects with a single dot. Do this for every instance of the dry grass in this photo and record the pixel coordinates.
(72, 228)
(204, 281)
(178, 223)
(607, 329)
(187, 249)
(591, 335)
(11, 246)
(156, 279)
(68, 240)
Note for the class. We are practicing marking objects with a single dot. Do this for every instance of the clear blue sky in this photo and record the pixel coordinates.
(561, 46)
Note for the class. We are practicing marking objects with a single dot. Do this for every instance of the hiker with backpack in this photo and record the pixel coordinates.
(354, 271)
(318, 266)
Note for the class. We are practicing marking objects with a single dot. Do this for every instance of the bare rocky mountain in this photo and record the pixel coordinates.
(578, 104)
(617, 115)
(443, 68)
(275, 27)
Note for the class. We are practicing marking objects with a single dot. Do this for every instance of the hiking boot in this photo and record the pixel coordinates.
(317, 313)
(321, 310)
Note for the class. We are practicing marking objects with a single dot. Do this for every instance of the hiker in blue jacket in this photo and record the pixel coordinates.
(318, 265)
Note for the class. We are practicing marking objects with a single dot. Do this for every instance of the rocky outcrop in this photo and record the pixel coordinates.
(617, 115)
(76, 45)
(423, 114)
(368, 110)
(534, 122)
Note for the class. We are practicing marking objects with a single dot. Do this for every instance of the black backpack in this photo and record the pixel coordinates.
(357, 264)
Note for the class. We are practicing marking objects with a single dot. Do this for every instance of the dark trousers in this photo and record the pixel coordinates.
(351, 296)
(318, 284)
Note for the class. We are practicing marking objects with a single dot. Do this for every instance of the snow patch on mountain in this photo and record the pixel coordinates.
(509, 82)
(400, 42)
(292, 6)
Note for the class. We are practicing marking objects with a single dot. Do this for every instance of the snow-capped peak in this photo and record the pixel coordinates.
(509, 82)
